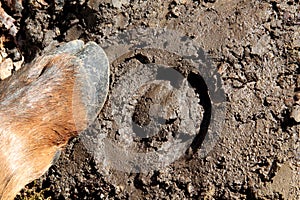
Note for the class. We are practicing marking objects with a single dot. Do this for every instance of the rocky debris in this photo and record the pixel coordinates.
(10, 59)
(8, 21)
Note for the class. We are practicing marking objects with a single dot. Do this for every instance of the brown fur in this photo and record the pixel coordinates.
(36, 119)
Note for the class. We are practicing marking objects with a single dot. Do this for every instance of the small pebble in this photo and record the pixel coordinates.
(295, 114)
(190, 188)
(6, 68)
(118, 3)
(19, 64)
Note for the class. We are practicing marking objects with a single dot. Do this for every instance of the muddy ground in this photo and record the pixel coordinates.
(253, 45)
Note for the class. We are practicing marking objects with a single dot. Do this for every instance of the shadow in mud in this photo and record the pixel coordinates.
(197, 82)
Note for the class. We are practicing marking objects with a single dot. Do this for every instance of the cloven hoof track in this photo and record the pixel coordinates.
(187, 70)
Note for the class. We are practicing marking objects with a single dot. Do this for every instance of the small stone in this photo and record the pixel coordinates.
(295, 114)
(175, 11)
(6, 68)
(118, 3)
(121, 20)
(19, 64)
(261, 47)
(190, 188)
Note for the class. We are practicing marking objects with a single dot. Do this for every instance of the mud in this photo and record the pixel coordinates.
(253, 45)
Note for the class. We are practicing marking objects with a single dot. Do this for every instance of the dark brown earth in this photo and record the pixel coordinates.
(253, 45)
